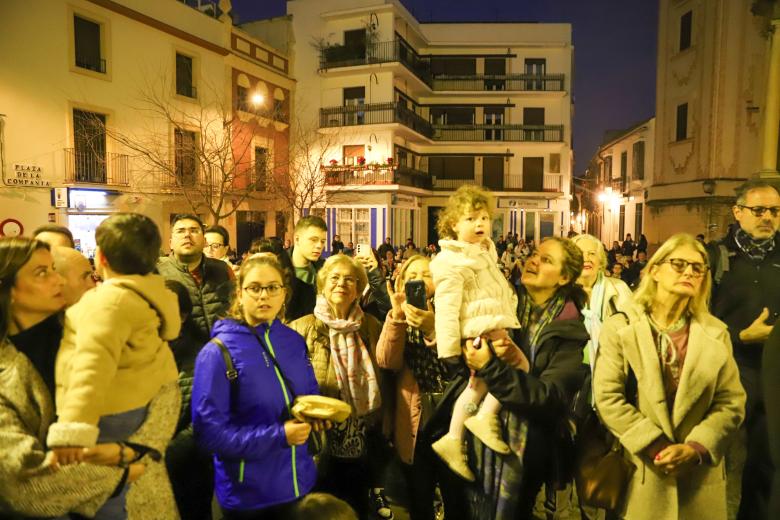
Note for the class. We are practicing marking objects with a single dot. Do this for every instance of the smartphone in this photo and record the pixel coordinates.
(362, 250)
(415, 294)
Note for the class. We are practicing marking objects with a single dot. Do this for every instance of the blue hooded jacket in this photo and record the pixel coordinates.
(243, 426)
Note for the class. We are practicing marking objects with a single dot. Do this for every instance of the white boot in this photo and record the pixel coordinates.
(453, 452)
(486, 428)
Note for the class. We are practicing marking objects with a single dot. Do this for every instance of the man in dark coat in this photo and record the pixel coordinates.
(746, 296)
(310, 237)
(210, 285)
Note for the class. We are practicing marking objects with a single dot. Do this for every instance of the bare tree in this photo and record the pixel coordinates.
(200, 150)
(303, 186)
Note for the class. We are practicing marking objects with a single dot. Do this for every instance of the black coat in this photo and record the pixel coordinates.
(771, 369)
(743, 292)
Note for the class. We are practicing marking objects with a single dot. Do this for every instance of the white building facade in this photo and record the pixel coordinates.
(625, 166)
(414, 110)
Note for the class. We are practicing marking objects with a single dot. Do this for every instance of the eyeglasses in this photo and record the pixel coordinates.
(256, 290)
(680, 265)
(183, 231)
(348, 280)
(759, 211)
(215, 246)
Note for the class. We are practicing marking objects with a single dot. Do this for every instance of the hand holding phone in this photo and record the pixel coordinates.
(415, 294)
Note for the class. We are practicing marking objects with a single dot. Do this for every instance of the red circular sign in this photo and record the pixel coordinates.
(11, 227)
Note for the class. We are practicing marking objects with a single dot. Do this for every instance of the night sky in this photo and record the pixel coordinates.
(614, 52)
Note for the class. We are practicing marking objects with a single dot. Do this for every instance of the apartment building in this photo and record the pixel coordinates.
(109, 105)
(410, 111)
(717, 111)
(624, 163)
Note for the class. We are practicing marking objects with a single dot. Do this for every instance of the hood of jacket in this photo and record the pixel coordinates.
(151, 287)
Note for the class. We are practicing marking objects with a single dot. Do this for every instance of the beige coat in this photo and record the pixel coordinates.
(114, 355)
(29, 487)
(708, 408)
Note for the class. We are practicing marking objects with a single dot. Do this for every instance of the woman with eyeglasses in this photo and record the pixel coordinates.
(342, 342)
(667, 386)
(262, 466)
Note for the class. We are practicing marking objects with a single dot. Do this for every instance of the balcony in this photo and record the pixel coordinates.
(375, 175)
(509, 82)
(382, 52)
(96, 167)
(549, 182)
(516, 133)
(400, 51)
(618, 185)
(374, 114)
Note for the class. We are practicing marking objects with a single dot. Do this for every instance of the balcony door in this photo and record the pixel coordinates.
(354, 99)
(495, 70)
(533, 173)
(535, 67)
(89, 143)
(355, 44)
(533, 116)
(493, 173)
(494, 116)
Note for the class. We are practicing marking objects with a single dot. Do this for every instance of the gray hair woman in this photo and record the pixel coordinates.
(688, 401)
(341, 341)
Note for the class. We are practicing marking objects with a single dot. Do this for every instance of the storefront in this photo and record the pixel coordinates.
(86, 209)
(531, 219)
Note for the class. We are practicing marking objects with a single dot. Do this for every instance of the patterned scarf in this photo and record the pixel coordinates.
(533, 319)
(354, 371)
(756, 250)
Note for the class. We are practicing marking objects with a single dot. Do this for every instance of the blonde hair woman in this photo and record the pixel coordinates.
(689, 399)
(341, 341)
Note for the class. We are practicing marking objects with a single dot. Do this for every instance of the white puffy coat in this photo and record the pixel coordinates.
(472, 295)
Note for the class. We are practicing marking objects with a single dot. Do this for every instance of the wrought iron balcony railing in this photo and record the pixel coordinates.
(486, 82)
(96, 167)
(524, 133)
(375, 174)
(373, 114)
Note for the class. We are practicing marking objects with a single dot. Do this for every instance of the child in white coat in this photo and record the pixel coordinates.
(473, 301)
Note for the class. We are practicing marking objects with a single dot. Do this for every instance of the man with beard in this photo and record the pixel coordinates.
(209, 282)
(746, 296)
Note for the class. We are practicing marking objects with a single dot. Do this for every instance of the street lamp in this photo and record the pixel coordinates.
(257, 99)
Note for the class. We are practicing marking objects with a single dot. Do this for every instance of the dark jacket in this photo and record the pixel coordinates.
(543, 396)
(210, 302)
(743, 292)
(304, 296)
(771, 368)
(243, 426)
(377, 301)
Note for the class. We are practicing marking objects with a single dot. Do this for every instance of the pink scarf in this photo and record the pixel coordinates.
(354, 371)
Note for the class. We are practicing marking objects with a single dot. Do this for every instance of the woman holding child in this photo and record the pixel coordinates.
(30, 484)
(535, 399)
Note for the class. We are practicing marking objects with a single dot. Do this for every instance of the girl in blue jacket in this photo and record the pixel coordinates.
(261, 462)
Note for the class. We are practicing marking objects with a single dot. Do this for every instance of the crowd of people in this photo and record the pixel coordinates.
(135, 386)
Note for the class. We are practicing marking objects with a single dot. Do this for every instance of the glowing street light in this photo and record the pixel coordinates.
(257, 99)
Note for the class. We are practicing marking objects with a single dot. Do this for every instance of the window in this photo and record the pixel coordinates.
(681, 131)
(555, 163)
(607, 169)
(261, 168)
(536, 67)
(495, 67)
(89, 146)
(638, 161)
(533, 117)
(451, 167)
(442, 65)
(622, 221)
(638, 220)
(354, 97)
(87, 45)
(242, 98)
(493, 116)
(185, 156)
(623, 170)
(352, 152)
(354, 225)
(184, 81)
(452, 115)
(686, 24)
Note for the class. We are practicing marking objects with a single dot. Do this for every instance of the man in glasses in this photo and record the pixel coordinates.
(746, 296)
(210, 284)
(218, 244)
